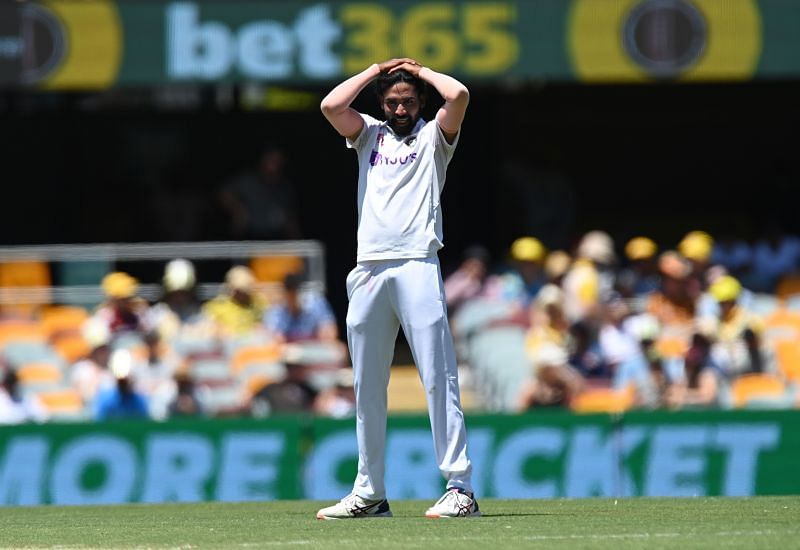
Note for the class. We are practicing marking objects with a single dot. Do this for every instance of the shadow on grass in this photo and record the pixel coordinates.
(523, 514)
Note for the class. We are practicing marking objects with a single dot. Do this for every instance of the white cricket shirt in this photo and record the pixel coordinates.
(400, 181)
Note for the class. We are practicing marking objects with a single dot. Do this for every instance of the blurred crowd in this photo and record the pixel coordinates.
(605, 327)
(706, 323)
(244, 352)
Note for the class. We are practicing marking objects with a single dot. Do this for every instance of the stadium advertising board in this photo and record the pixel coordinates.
(530, 456)
(97, 44)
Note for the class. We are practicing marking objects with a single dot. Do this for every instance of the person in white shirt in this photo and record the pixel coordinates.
(397, 280)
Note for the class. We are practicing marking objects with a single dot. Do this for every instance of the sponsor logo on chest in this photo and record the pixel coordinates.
(398, 153)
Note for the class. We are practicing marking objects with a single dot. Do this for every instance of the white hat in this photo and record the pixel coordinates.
(179, 275)
(550, 295)
(598, 247)
(121, 363)
(240, 278)
(96, 332)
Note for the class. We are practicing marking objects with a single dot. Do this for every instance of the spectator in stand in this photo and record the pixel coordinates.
(239, 308)
(626, 341)
(16, 408)
(179, 304)
(154, 377)
(673, 304)
(469, 280)
(591, 277)
(735, 333)
(301, 316)
(586, 355)
(651, 388)
(121, 401)
(696, 247)
(554, 382)
(556, 266)
(185, 401)
(261, 202)
(775, 256)
(701, 382)
(293, 394)
(91, 375)
(521, 283)
(123, 310)
(338, 401)
(640, 278)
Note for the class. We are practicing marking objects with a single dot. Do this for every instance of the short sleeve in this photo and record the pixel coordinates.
(363, 138)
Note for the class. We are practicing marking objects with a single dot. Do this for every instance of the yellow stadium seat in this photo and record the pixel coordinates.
(247, 355)
(62, 404)
(273, 269)
(788, 286)
(71, 347)
(21, 331)
(672, 346)
(57, 319)
(782, 334)
(39, 373)
(405, 392)
(787, 354)
(24, 274)
(755, 386)
(603, 400)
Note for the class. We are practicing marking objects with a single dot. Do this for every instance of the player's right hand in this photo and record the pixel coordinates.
(387, 66)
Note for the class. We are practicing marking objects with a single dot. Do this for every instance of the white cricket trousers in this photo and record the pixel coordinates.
(385, 295)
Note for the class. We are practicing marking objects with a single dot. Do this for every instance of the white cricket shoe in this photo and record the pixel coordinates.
(455, 503)
(353, 506)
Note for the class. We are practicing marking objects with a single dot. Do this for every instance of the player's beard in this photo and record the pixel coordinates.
(403, 129)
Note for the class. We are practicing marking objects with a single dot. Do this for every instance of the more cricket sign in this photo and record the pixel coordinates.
(528, 456)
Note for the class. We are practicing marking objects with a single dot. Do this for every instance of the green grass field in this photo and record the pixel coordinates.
(760, 522)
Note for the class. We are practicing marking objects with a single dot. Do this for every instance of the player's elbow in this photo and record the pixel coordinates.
(460, 95)
(326, 107)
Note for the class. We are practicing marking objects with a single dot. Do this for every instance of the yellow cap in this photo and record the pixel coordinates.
(527, 249)
(119, 285)
(640, 248)
(725, 289)
(696, 245)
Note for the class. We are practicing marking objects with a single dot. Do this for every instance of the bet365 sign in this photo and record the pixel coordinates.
(318, 43)
(95, 44)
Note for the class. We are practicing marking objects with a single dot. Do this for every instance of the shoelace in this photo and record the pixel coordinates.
(462, 502)
(358, 506)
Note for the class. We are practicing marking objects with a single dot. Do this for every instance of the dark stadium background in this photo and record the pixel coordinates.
(657, 159)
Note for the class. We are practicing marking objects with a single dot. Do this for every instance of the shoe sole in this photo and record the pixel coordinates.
(383, 515)
(440, 516)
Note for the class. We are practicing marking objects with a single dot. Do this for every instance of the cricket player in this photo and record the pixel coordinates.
(397, 280)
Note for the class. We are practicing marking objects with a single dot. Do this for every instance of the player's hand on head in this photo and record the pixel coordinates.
(410, 66)
(394, 64)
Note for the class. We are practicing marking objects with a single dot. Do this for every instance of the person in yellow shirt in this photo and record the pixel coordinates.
(239, 308)
(737, 331)
(553, 381)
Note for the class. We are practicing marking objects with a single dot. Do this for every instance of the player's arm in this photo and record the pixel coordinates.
(455, 95)
(456, 98)
(336, 105)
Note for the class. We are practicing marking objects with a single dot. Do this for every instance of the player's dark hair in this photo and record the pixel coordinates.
(387, 80)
